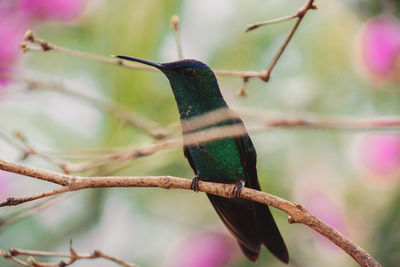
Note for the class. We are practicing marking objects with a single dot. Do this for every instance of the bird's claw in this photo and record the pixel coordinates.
(195, 184)
(237, 189)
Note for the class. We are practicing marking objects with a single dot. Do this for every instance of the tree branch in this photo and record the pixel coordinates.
(44, 46)
(265, 76)
(317, 121)
(272, 21)
(302, 11)
(73, 257)
(298, 214)
(265, 121)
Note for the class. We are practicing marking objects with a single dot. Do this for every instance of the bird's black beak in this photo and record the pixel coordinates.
(144, 61)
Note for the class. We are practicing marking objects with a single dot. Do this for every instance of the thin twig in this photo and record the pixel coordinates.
(119, 112)
(30, 150)
(201, 136)
(307, 120)
(242, 90)
(10, 256)
(238, 73)
(298, 214)
(73, 257)
(44, 46)
(175, 28)
(17, 201)
(12, 141)
(264, 121)
(125, 155)
(272, 21)
(299, 15)
(30, 211)
(263, 75)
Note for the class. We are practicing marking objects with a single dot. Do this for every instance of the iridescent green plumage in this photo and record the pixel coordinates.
(225, 160)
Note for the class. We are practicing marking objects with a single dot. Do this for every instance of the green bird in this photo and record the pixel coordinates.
(230, 160)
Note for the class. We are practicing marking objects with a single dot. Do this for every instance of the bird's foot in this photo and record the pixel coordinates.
(195, 184)
(237, 189)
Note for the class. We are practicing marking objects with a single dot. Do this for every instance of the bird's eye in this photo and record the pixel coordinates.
(189, 71)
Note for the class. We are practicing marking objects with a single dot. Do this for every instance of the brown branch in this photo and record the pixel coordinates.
(10, 256)
(265, 121)
(120, 158)
(29, 150)
(124, 155)
(11, 201)
(272, 21)
(44, 46)
(299, 15)
(115, 157)
(302, 11)
(242, 91)
(317, 121)
(73, 257)
(298, 214)
(238, 73)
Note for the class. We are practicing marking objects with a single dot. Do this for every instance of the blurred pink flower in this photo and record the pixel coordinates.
(53, 9)
(18, 16)
(380, 153)
(380, 45)
(206, 249)
(12, 29)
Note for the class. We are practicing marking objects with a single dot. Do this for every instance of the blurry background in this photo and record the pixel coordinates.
(344, 60)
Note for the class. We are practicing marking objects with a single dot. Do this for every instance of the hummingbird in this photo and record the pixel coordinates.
(229, 160)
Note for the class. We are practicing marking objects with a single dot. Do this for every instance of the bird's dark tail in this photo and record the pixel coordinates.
(252, 224)
(269, 232)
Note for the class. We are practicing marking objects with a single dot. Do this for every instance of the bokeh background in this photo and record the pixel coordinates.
(344, 60)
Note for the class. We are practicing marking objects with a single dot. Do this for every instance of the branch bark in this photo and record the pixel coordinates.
(41, 45)
(73, 257)
(298, 214)
(265, 76)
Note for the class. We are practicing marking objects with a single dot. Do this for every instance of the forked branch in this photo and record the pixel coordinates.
(44, 46)
(265, 76)
(73, 256)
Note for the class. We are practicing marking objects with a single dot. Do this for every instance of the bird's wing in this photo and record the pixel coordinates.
(249, 159)
(268, 231)
(237, 216)
(242, 216)
(189, 158)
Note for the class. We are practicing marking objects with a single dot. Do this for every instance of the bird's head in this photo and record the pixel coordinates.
(181, 70)
(193, 83)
